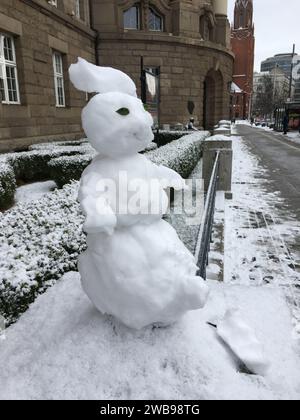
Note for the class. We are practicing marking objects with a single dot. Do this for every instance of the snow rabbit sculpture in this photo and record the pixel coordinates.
(135, 267)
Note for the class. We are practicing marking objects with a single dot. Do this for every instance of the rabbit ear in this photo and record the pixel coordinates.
(90, 78)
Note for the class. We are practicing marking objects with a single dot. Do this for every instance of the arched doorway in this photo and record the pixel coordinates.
(213, 91)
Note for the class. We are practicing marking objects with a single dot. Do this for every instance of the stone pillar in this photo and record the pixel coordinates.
(211, 146)
(220, 7)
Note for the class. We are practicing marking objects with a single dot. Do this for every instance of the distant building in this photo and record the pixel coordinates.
(243, 43)
(280, 83)
(284, 62)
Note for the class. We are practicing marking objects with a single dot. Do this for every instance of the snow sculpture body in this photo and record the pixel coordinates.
(135, 267)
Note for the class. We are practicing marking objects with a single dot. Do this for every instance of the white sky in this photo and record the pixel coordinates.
(277, 27)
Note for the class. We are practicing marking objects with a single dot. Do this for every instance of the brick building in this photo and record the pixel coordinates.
(185, 42)
(243, 44)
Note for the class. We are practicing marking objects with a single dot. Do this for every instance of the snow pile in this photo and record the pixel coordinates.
(35, 191)
(242, 340)
(62, 348)
(135, 266)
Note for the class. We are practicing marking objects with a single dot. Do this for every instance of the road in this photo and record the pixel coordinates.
(281, 158)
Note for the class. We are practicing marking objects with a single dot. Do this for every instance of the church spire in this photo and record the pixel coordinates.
(243, 14)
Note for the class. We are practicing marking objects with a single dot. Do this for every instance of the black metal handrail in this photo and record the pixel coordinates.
(205, 230)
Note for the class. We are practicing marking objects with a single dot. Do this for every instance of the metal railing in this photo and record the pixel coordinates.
(205, 231)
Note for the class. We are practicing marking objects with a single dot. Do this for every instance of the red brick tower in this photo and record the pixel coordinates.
(243, 43)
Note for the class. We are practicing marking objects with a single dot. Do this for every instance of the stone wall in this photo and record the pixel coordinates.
(39, 29)
(184, 67)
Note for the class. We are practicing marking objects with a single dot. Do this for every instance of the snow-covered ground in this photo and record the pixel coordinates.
(63, 348)
(261, 239)
(34, 191)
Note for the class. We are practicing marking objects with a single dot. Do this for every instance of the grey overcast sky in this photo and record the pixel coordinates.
(277, 27)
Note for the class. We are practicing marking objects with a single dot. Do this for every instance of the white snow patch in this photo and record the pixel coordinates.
(62, 348)
(34, 191)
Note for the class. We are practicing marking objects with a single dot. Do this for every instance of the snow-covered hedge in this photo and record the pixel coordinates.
(68, 168)
(181, 155)
(55, 145)
(164, 137)
(41, 240)
(7, 185)
(33, 166)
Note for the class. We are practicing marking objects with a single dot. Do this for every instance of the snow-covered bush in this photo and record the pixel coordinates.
(39, 241)
(68, 168)
(55, 145)
(164, 137)
(33, 165)
(7, 185)
(181, 155)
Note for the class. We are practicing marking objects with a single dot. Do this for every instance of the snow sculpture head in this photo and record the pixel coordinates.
(115, 120)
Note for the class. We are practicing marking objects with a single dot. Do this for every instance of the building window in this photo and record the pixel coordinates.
(131, 18)
(9, 87)
(59, 80)
(155, 21)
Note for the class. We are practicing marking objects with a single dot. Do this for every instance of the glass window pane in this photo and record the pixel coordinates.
(11, 84)
(2, 90)
(155, 22)
(132, 18)
(8, 49)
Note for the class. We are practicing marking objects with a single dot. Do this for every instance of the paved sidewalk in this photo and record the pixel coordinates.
(262, 234)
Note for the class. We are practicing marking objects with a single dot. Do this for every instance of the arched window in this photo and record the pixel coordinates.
(155, 21)
(131, 18)
(242, 19)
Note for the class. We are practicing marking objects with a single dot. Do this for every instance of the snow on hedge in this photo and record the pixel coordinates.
(7, 184)
(41, 240)
(181, 155)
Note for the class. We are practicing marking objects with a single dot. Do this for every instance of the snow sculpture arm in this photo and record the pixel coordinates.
(170, 178)
(99, 215)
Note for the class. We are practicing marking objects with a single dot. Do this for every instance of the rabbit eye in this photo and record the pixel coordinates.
(123, 111)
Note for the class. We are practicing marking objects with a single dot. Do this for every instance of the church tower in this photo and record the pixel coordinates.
(243, 44)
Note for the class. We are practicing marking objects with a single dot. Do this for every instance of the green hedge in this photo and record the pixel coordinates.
(181, 155)
(164, 137)
(68, 168)
(33, 166)
(7, 185)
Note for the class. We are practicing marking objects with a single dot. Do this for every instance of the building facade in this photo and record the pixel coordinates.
(274, 87)
(186, 43)
(243, 45)
(39, 39)
(285, 62)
